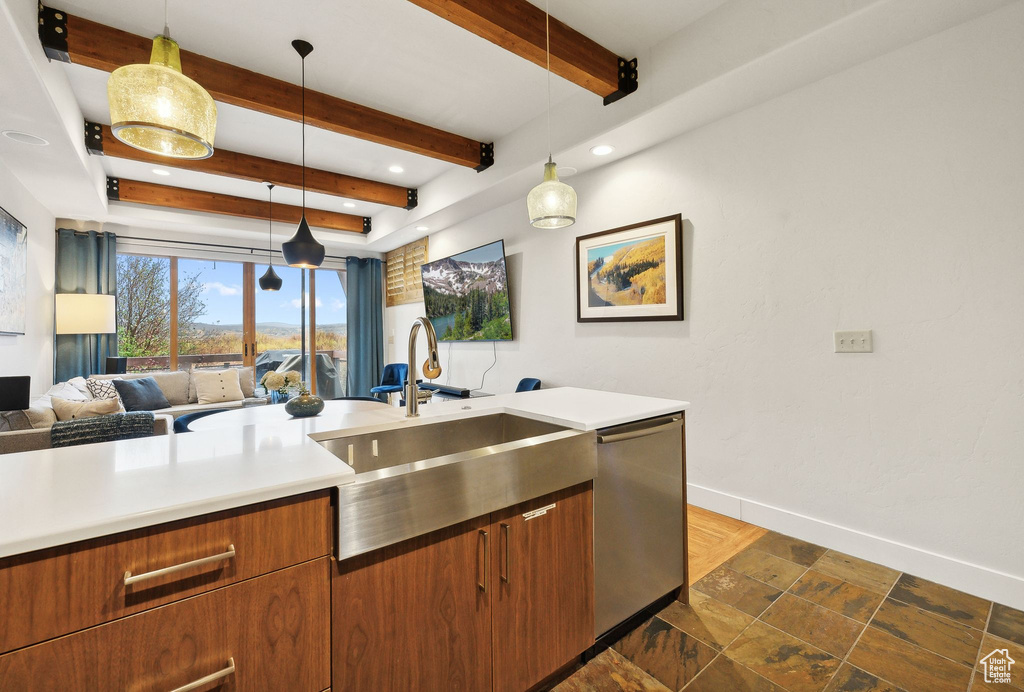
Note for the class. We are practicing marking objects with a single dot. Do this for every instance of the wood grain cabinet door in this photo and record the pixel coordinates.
(268, 633)
(56, 591)
(542, 609)
(415, 615)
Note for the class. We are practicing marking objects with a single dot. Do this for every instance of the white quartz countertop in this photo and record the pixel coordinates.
(57, 496)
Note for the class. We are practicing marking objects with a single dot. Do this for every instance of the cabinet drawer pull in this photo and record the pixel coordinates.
(196, 684)
(487, 562)
(505, 528)
(130, 578)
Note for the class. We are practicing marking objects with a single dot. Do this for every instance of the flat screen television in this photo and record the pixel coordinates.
(466, 295)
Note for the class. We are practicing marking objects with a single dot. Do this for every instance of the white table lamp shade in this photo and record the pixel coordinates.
(86, 313)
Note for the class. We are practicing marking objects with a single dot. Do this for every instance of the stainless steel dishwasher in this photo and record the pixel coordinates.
(639, 517)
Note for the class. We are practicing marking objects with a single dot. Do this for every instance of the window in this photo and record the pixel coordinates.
(210, 314)
(330, 315)
(144, 312)
(402, 273)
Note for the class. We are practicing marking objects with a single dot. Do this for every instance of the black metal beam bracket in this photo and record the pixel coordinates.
(94, 138)
(53, 33)
(627, 81)
(486, 156)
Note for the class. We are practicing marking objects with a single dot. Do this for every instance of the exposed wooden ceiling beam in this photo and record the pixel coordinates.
(138, 192)
(100, 140)
(518, 26)
(72, 39)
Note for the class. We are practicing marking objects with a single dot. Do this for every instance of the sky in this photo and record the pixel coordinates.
(222, 294)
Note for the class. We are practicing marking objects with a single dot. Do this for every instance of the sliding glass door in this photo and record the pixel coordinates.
(329, 315)
(210, 315)
(182, 313)
(278, 325)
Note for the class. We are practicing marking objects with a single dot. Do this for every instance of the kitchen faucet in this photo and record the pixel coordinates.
(431, 366)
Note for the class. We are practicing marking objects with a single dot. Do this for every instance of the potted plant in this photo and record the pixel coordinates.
(281, 385)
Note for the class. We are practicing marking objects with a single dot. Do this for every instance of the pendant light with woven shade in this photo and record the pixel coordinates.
(552, 204)
(302, 249)
(157, 109)
(270, 281)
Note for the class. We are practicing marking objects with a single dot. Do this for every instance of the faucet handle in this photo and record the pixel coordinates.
(429, 372)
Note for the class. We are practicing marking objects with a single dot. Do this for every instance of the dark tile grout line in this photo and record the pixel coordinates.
(756, 618)
(844, 659)
(988, 621)
(887, 596)
(867, 624)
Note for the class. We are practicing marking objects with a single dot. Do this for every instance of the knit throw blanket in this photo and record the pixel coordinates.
(117, 426)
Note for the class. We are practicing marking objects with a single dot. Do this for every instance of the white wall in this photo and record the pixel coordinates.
(886, 197)
(31, 354)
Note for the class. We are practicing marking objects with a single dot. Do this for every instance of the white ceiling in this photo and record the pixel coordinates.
(387, 54)
(700, 60)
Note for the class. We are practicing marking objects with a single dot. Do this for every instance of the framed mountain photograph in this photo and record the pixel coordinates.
(13, 273)
(631, 274)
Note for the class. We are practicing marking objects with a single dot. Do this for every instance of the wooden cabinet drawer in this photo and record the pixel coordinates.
(274, 630)
(56, 591)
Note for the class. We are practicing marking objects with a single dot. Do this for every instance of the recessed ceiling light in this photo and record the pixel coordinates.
(565, 171)
(423, 228)
(396, 169)
(349, 205)
(25, 138)
(602, 150)
(161, 171)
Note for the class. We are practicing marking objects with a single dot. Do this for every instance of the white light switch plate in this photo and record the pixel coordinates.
(853, 342)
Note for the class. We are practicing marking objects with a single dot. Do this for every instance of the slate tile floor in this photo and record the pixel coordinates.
(784, 615)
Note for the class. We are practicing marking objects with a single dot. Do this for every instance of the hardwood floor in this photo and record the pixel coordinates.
(714, 538)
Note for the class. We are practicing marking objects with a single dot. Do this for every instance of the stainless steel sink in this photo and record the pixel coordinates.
(413, 479)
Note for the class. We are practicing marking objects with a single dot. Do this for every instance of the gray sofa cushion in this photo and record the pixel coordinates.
(14, 420)
(31, 440)
(174, 385)
(41, 417)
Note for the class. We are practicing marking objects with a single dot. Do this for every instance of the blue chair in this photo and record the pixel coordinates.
(181, 422)
(528, 384)
(392, 380)
(358, 398)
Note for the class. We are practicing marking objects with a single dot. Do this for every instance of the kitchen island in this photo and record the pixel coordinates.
(214, 554)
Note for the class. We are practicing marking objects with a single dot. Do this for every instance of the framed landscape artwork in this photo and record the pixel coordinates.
(633, 273)
(13, 273)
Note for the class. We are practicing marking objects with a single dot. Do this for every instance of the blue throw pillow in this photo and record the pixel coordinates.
(142, 394)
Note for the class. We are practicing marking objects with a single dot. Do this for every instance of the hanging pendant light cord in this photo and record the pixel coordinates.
(167, 31)
(270, 226)
(303, 136)
(547, 51)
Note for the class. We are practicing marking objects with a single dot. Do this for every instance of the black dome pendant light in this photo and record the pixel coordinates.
(303, 250)
(270, 281)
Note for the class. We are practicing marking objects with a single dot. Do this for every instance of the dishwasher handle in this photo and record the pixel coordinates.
(642, 432)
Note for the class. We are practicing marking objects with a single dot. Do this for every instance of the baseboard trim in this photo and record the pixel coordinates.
(965, 576)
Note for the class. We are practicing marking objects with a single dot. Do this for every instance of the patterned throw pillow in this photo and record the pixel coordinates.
(101, 389)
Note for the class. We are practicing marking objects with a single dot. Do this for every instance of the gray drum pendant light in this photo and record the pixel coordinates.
(302, 249)
(270, 281)
(552, 204)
